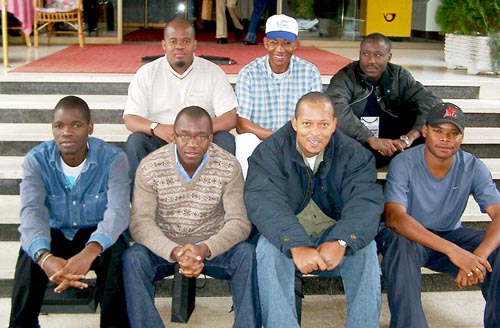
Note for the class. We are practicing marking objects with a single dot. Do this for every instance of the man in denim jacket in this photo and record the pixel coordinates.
(74, 210)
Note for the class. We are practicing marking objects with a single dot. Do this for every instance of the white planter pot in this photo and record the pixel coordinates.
(468, 52)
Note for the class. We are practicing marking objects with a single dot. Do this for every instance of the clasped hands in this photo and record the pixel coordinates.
(69, 273)
(472, 267)
(190, 258)
(326, 256)
(386, 147)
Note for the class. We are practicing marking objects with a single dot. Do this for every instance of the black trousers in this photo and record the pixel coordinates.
(30, 281)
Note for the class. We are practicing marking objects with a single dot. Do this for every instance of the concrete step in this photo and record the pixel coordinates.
(43, 131)
(38, 108)
(48, 101)
(109, 109)
(65, 84)
(114, 84)
(443, 310)
(121, 88)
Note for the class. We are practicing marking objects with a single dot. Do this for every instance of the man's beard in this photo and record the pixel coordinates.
(180, 64)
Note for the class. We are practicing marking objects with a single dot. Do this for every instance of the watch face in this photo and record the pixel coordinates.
(154, 125)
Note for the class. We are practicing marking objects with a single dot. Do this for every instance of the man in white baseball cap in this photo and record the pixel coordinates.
(269, 87)
(282, 27)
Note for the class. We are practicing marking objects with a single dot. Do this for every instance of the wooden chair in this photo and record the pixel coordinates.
(60, 11)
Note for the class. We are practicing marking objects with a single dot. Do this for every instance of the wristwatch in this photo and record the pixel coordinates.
(405, 139)
(39, 253)
(153, 126)
(342, 243)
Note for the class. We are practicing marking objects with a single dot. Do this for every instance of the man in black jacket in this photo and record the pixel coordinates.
(378, 103)
(312, 194)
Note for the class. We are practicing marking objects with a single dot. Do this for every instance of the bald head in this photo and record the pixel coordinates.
(178, 24)
(316, 98)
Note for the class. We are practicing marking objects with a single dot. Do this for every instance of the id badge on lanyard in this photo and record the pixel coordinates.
(372, 124)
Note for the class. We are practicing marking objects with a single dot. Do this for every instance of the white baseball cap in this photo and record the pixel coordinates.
(282, 27)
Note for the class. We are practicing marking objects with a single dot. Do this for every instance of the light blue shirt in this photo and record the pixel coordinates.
(438, 204)
(100, 196)
(268, 99)
(183, 172)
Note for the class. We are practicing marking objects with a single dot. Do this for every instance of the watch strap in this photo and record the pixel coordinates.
(152, 127)
(38, 254)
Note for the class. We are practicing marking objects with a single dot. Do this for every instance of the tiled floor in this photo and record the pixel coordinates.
(443, 310)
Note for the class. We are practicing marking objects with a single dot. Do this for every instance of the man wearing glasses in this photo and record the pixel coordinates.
(160, 89)
(269, 87)
(188, 209)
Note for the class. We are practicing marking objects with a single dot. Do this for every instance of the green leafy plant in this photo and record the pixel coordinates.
(469, 17)
(473, 17)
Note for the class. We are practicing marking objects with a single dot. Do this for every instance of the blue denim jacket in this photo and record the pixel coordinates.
(100, 196)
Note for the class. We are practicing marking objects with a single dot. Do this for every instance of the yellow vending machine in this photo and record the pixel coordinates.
(389, 17)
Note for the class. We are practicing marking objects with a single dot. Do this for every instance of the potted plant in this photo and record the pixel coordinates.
(472, 34)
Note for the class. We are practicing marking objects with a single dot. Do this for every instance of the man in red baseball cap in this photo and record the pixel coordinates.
(427, 190)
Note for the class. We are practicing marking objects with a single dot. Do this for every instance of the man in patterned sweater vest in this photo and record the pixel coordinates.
(188, 209)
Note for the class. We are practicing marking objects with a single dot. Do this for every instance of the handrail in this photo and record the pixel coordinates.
(5, 37)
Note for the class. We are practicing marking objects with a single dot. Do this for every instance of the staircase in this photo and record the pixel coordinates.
(26, 104)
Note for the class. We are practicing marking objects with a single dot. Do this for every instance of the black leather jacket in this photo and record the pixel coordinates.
(401, 96)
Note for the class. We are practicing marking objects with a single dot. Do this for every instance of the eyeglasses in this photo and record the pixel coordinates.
(175, 42)
(288, 45)
(187, 137)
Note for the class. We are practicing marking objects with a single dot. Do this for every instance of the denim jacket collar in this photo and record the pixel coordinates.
(55, 157)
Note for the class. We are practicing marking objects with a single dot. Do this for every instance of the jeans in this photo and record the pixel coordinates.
(401, 264)
(141, 268)
(259, 7)
(139, 145)
(360, 276)
(30, 281)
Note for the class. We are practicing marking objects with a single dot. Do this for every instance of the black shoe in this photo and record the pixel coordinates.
(250, 43)
(238, 34)
(222, 41)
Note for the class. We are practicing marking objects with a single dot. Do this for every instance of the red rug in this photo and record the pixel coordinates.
(126, 58)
